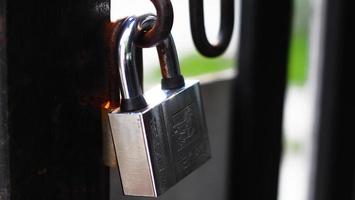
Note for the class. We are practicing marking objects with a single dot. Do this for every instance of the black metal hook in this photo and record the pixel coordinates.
(199, 32)
(162, 27)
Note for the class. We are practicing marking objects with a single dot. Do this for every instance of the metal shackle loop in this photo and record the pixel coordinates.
(131, 90)
(168, 58)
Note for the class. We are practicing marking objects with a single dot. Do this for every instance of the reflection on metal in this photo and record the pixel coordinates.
(130, 86)
(108, 150)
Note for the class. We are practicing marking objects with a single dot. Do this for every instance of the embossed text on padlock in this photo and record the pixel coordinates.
(160, 143)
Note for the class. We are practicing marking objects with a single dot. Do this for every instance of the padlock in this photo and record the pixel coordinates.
(159, 137)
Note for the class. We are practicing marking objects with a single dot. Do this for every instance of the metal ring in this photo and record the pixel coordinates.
(162, 27)
(198, 28)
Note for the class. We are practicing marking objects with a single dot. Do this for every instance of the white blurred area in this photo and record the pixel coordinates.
(181, 27)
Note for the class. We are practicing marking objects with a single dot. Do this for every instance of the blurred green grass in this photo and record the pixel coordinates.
(298, 60)
(195, 64)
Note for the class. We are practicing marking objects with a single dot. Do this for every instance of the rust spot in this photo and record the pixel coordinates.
(107, 105)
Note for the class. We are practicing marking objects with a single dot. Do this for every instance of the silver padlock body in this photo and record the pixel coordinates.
(158, 146)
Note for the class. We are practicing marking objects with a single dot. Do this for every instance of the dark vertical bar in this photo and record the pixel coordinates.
(4, 137)
(56, 81)
(258, 98)
(335, 167)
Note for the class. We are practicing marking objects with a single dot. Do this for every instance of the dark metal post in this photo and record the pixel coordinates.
(258, 98)
(51, 91)
(335, 167)
(4, 137)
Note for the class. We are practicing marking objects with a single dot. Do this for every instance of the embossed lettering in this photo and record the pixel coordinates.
(184, 127)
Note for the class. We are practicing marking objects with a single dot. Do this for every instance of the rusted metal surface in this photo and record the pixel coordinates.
(162, 27)
(112, 96)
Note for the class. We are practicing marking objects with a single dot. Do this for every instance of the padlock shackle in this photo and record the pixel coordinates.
(169, 65)
(131, 90)
(168, 58)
